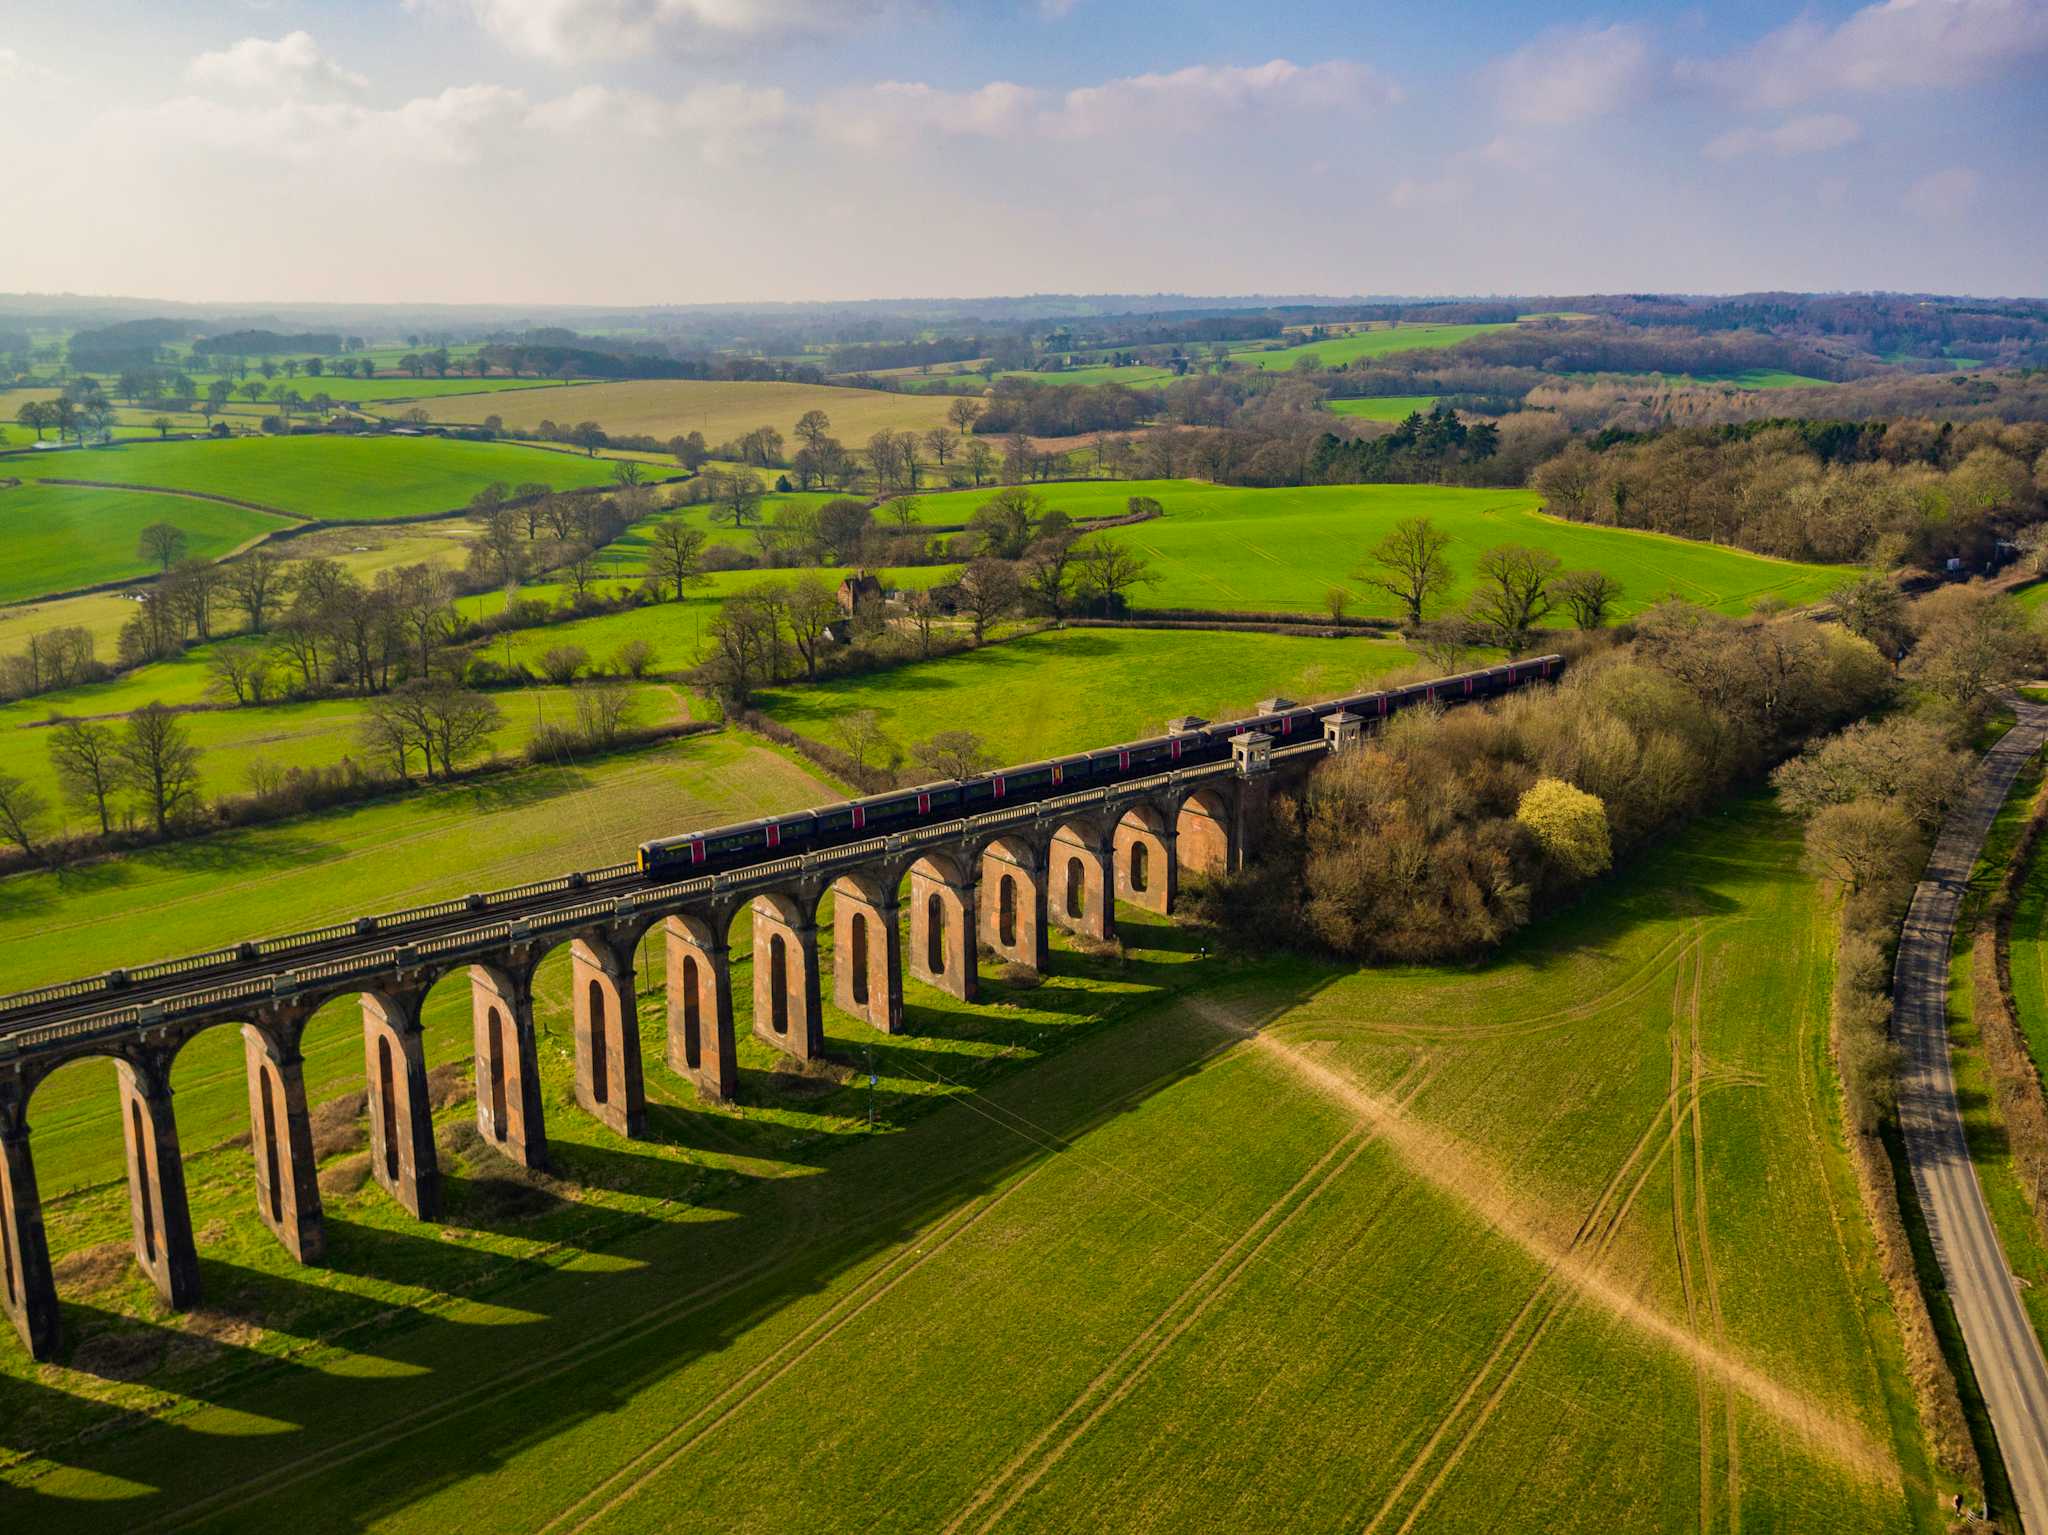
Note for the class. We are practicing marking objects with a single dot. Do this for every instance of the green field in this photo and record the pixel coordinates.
(1386, 407)
(1117, 1242)
(62, 537)
(1338, 350)
(1068, 689)
(362, 391)
(1221, 547)
(346, 478)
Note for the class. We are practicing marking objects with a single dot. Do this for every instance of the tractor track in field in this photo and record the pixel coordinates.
(820, 1331)
(579, 1354)
(1205, 1290)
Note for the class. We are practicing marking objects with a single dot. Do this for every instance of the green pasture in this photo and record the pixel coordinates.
(60, 537)
(395, 387)
(1101, 1254)
(351, 478)
(1066, 689)
(1225, 547)
(1137, 374)
(1386, 407)
(1359, 345)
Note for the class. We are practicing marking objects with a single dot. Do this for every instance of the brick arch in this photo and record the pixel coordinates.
(1146, 857)
(1081, 882)
(1203, 822)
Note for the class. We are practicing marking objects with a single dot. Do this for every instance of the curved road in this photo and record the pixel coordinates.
(2004, 1352)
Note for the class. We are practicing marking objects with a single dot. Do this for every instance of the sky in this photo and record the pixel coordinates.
(629, 152)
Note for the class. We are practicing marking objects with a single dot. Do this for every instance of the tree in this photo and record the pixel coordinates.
(860, 733)
(22, 813)
(953, 754)
(1588, 595)
(1337, 602)
(1049, 572)
(159, 763)
(162, 542)
(1001, 525)
(1410, 566)
(560, 663)
(1903, 760)
(1443, 642)
(242, 672)
(939, 443)
(980, 460)
(1109, 571)
(634, 659)
(445, 723)
(689, 451)
(736, 497)
(841, 525)
(813, 426)
(1872, 607)
(604, 708)
(256, 583)
(963, 413)
(904, 510)
(88, 769)
(1971, 644)
(37, 416)
(532, 497)
(809, 608)
(627, 472)
(163, 426)
(588, 436)
(1864, 843)
(922, 609)
(988, 590)
(1512, 594)
(1570, 826)
(501, 551)
(487, 500)
(746, 638)
(422, 605)
(675, 555)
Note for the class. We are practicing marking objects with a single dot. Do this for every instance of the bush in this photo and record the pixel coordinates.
(561, 664)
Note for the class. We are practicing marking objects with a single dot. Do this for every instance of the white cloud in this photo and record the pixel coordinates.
(1568, 76)
(1795, 136)
(565, 30)
(293, 66)
(451, 128)
(1946, 194)
(1410, 194)
(1154, 105)
(1895, 45)
(719, 121)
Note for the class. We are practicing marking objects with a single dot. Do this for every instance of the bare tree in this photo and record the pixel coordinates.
(22, 813)
(88, 767)
(860, 733)
(988, 590)
(923, 612)
(560, 663)
(162, 542)
(604, 708)
(634, 659)
(241, 672)
(963, 413)
(1588, 595)
(939, 443)
(256, 584)
(160, 764)
(952, 754)
(809, 608)
(1110, 571)
(675, 555)
(1512, 593)
(1411, 566)
(445, 722)
(813, 426)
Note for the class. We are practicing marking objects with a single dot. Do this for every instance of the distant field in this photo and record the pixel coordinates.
(401, 386)
(665, 408)
(1071, 688)
(358, 478)
(1366, 343)
(1098, 374)
(1221, 547)
(1386, 407)
(59, 537)
(1766, 378)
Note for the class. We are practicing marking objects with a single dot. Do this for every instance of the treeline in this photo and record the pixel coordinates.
(1909, 491)
(258, 343)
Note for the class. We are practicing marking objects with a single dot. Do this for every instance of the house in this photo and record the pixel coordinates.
(857, 591)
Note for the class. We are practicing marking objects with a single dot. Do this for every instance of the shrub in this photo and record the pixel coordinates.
(1570, 826)
(561, 663)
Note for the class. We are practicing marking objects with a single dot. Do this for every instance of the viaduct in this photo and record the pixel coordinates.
(997, 880)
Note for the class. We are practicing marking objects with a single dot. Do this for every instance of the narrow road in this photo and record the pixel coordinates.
(2004, 1352)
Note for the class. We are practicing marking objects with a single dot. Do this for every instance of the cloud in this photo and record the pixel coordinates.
(720, 121)
(1795, 136)
(1410, 194)
(1153, 105)
(1568, 76)
(568, 30)
(1945, 195)
(293, 66)
(1895, 45)
(450, 128)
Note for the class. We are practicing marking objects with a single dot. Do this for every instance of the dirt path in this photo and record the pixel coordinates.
(2004, 1352)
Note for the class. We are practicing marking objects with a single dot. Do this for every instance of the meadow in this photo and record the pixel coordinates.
(395, 387)
(363, 479)
(1338, 350)
(1386, 407)
(1067, 689)
(665, 408)
(1172, 1241)
(62, 537)
(1234, 548)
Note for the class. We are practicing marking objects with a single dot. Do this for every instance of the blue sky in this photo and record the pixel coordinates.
(641, 151)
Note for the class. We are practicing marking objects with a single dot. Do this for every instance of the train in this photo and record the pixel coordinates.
(806, 831)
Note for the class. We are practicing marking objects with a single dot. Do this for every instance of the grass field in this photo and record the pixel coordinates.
(1222, 547)
(1067, 689)
(1564, 1241)
(1388, 407)
(1363, 344)
(350, 478)
(666, 408)
(363, 391)
(63, 537)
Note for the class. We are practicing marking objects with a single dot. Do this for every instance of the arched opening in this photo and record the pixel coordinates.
(692, 1045)
(1006, 910)
(600, 1067)
(858, 958)
(500, 1047)
(144, 1201)
(270, 1180)
(1077, 888)
(935, 934)
(388, 1106)
(778, 985)
(1141, 861)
